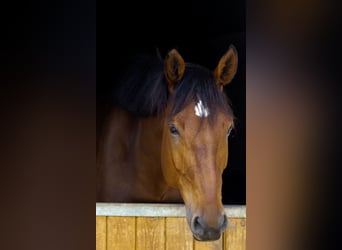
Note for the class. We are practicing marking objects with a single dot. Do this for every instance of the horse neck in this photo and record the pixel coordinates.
(149, 140)
(149, 174)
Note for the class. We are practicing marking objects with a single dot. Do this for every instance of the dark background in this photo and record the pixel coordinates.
(58, 57)
(202, 33)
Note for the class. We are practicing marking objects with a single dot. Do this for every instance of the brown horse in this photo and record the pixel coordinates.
(167, 139)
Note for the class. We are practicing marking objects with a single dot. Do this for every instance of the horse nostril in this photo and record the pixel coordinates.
(196, 225)
(224, 222)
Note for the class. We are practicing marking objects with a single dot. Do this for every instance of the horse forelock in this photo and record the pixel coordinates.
(198, 86)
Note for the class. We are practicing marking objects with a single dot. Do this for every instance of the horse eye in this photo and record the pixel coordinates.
(173, 129)
(229, 130)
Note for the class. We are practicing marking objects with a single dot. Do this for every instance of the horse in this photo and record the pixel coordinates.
(166, 138)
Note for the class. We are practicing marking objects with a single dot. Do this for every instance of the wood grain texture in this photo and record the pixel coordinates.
(178, 234)
(101, 233)
(170, 233)
(209, 245)
(121, 233)
(150, 233)
(235, 235)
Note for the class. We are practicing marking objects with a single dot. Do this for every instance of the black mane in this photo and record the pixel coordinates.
(142, 89)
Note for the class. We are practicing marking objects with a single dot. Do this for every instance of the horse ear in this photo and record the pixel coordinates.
(174, 68)
(226, 68)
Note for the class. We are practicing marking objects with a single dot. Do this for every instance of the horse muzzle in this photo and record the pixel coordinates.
(205, 230)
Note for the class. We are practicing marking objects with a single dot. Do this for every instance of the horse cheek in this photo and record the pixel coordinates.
(222, 157)
(167, 163)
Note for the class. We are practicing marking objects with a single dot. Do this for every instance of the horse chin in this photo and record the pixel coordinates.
(207, 237)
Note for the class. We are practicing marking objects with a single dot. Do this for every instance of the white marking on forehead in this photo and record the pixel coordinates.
(200, 110)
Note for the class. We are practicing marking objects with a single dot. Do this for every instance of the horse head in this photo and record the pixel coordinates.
(198, 120)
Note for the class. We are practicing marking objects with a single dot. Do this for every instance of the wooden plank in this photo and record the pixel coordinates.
(150, 233)
(101, 233)
(209, 245)
(178, 234)
(235, 235)
(120, 233)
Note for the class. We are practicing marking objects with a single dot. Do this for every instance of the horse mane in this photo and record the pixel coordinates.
(142, 89)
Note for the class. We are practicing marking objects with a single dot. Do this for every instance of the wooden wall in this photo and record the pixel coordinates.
(161, 233)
